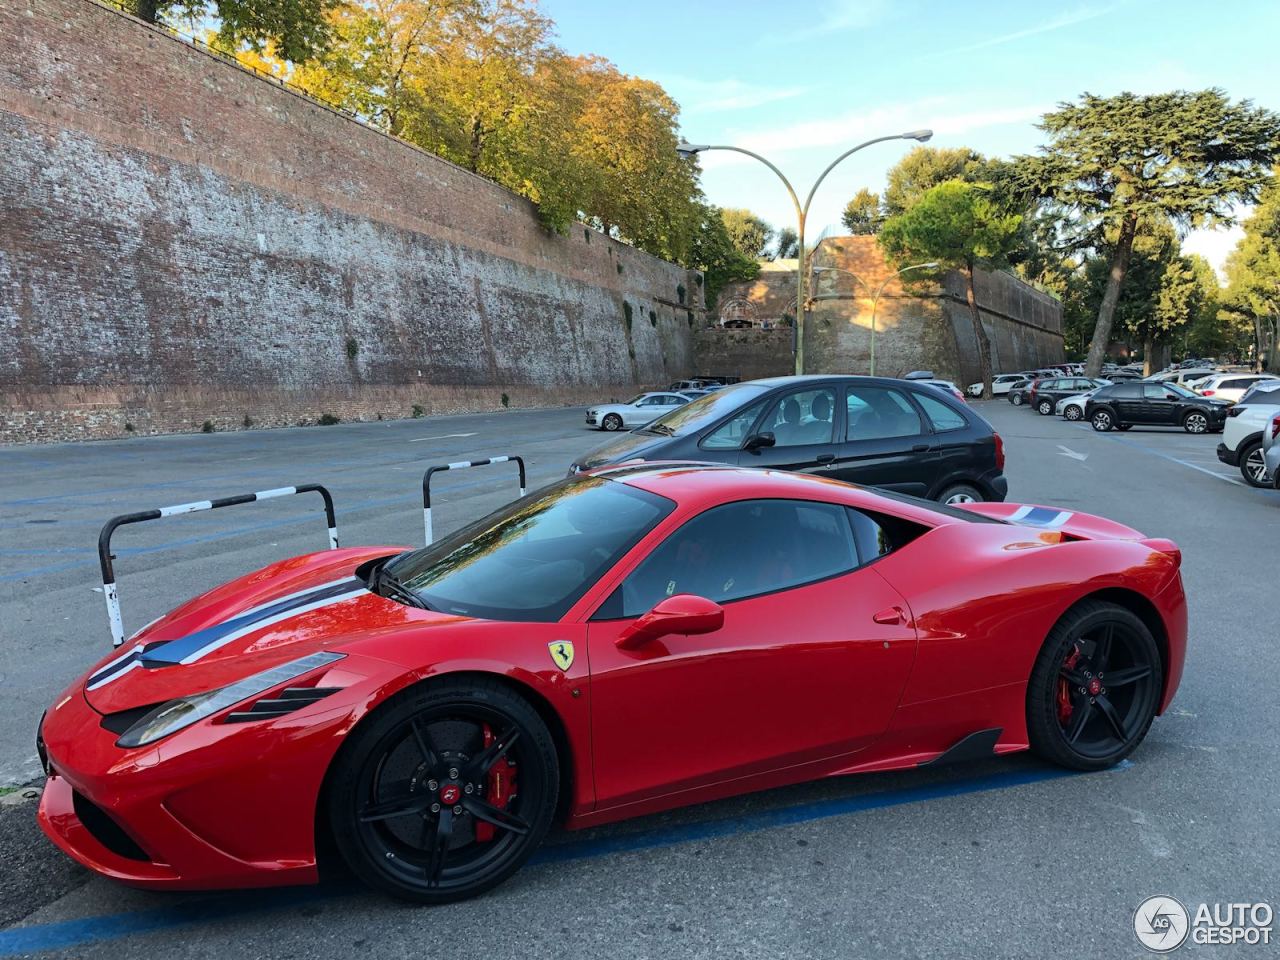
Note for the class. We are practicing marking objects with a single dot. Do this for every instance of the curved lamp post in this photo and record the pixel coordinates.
(687, 150)
(931, 265)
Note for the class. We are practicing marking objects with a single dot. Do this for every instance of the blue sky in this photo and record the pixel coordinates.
(800, 82)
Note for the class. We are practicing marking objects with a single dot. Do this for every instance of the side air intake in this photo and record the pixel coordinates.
(286, 701)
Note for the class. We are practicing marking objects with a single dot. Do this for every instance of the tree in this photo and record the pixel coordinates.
(924, 168)
(787, 245)
(959, 226)
(749, 233)
(715, 253)
(862, 214)
(297, 29)
(1253, 278)
(1113, 162)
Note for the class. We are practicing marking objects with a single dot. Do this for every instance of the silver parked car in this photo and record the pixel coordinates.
(636, 412)
(1271, 448)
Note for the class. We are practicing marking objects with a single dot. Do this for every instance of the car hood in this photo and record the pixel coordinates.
(629, 446)
(285, 611)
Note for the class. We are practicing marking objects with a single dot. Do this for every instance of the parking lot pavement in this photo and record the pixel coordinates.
(1004, 859)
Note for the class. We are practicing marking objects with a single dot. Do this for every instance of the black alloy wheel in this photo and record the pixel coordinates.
(1095, 687)
(1102, 421)
(445, 791)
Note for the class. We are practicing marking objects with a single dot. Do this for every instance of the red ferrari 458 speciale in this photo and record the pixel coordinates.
(621, 642)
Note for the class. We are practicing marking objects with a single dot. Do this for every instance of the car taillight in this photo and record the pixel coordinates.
(1206, 393)
(1275, 426)
(1000, 450)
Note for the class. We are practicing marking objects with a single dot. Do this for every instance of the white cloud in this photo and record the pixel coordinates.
(704, 96)
(840, 16)
(1057, 23)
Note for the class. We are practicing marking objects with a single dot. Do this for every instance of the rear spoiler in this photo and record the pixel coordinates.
(1058, 526)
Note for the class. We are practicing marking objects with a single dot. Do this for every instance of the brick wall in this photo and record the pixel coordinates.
(918, 326)
(183, 241)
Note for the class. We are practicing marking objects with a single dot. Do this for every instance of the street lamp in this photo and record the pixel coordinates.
(931, 265)
(687, 150)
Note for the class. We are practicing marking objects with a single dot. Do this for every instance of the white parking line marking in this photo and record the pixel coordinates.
(443, 436)
(1068, 452)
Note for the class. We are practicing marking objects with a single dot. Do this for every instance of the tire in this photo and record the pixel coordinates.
(1045, 408)
(1099, 727)
(1102, 420)
(1073, 413)
(611, 422)
(396, 831)
(1017, 399)
(1195, 422)
(1253, 466)
(1124, 426)
(960, 493)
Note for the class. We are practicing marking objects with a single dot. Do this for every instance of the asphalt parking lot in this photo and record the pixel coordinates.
(1004, 859)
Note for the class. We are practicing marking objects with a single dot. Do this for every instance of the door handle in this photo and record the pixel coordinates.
(825, 458)
(889, 616)
(920, 448)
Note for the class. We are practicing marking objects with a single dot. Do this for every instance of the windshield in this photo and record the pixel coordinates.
(636, 399)
(704, 411)
(533, 559)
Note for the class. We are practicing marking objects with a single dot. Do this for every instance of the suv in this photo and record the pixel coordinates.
(1241, 444)
(1122, 405)
(1230, 386)
(1049, 392)
(902, 435)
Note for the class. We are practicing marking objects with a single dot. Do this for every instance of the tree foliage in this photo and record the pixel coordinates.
(1112, 163)
(787, 244)
(862, 215)
(720, 259)
(923, 168)
(749, 232)
(960, 226)
(297, 29)
(1252, 297)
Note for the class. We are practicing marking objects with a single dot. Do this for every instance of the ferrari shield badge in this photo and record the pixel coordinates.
(561, 653)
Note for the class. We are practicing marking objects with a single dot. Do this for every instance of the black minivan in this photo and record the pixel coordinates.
(897, 434)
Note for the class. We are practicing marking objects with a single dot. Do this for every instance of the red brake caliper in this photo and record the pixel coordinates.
(1064, 688)
(499, 791)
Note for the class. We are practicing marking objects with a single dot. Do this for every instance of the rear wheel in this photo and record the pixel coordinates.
(1253, 465)
(1016, 399)
(1094, 688)
(1195, 422)
(960, 493)
(444, 792)
(612, 422)
(1045, 407)
(1102, 421)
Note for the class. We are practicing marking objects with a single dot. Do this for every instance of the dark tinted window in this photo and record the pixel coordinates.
(1234, 384)
(1154, 391)
(871, 538)
(877, 413)
(534, 558)
(943, 416)
(1121, 391)
(1263, 392)
(743, 549)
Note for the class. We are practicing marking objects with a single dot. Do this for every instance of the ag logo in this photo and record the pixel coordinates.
(1161, 924)
(561, 653)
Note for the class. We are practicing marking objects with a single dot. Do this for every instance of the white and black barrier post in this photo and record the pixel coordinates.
(460, 465)
(105, 556)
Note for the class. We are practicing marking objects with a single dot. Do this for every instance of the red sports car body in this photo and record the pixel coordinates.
(914, 633)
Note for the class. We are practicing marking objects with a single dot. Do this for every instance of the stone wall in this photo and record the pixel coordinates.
(919, 326)
(181, 241)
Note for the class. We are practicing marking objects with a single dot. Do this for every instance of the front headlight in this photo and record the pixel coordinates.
(181, 713)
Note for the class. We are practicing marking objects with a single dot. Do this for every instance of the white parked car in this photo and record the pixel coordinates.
(1000, 384)
(1072, 408)
(1244, 432)
(1229, 386)
(1182, 377)
(636, 412)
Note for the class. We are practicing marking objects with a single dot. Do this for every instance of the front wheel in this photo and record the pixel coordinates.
(445, 791)
(1094, 688)
(1073, 413)
(1195, 422)
(612, 422)
(960, 493)
(1102, 421)
(1045, 407)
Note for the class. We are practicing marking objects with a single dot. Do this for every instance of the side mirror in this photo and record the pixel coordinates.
(684, 613)
(758, 440)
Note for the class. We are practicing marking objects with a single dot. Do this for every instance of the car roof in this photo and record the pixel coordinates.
(699, 485)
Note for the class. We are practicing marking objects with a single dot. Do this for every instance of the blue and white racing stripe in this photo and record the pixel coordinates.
(192, 647)
(1040, 517)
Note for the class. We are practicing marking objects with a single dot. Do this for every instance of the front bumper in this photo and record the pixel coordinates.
(214, 806)
(591, 421)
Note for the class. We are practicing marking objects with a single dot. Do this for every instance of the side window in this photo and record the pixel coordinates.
(878, 413)
(1125, 391)
(871, 539)
(731, 434)
(943, 417)
(742, 549)
(804, 418)
(1155, 391)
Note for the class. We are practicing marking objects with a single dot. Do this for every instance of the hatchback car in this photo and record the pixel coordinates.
(1049, 392)
(1230, 386)
(901, 435)
(1122, 405)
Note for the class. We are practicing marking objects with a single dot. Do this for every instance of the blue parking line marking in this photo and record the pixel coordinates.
(88, 930)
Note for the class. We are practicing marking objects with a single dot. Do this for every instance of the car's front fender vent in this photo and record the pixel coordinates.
(286, 701)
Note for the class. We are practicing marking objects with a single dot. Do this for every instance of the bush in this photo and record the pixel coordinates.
(626, 314)
(680, 292)
(506, 401)
(128, 427)
(328, 420)
(207, 427)
(619, 268)
(247, 422)
(417, 411)
(353, 348)
(653, 319)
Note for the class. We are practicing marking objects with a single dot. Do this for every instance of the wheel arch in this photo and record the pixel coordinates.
(1144, 610)
(326, 850)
